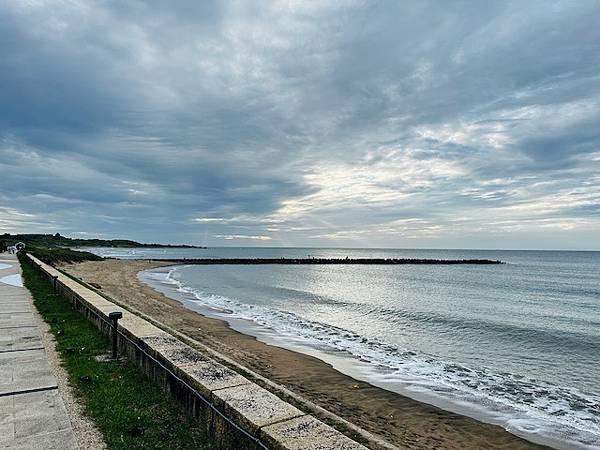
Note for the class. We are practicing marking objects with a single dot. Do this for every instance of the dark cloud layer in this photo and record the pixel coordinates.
(366, 123)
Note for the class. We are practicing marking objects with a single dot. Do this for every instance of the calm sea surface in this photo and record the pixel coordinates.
(516, 344)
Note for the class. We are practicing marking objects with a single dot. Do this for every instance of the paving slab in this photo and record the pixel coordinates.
(14, 304)
(9, 290)
(10, 320)
(58, 440)
(21, 338)
(13, 297)
(25, 371)
(35, 420)
(15, 307)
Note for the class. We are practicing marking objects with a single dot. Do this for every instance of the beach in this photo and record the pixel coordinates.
(398, 419)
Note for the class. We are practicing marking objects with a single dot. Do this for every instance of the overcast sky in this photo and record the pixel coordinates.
(461, 124)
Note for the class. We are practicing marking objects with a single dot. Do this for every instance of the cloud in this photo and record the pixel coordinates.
(210, 220)
(331, 123)
(231, 237)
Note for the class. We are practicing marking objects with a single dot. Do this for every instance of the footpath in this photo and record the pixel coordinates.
(32, 412)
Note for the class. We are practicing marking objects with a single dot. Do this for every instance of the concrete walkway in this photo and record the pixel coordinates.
(32, 413)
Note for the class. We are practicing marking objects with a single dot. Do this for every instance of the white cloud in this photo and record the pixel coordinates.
(230, 237)
(210, 220)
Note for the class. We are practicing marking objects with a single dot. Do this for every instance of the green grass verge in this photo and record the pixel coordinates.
(128, 408)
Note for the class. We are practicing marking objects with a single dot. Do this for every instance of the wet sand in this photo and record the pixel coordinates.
(398, 419)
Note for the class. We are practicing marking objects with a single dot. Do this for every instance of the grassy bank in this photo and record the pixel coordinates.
(66, 255)
(128, 408)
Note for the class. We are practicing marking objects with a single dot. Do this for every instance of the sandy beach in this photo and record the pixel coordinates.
(398, 419)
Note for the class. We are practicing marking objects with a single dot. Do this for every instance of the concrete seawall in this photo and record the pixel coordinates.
(237, 413)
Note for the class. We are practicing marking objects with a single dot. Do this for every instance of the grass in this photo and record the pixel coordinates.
(128, 408)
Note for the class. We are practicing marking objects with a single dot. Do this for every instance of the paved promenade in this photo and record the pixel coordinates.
(32, 413)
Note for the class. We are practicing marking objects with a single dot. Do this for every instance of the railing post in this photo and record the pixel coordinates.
(114, 317)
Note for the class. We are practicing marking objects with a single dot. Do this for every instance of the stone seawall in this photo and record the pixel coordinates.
(237, 413)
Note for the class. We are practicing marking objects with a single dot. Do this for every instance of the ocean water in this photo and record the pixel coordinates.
(516, 344)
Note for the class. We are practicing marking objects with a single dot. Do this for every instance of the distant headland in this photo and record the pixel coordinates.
(57, 240)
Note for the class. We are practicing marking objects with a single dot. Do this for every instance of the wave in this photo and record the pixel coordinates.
(565, 416)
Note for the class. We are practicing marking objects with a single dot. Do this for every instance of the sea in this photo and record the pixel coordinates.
(516, 344)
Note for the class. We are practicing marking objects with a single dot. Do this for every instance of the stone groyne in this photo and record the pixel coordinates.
(237, 413)
(299, 261)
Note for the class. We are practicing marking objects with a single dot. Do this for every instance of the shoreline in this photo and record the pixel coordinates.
(396, 418)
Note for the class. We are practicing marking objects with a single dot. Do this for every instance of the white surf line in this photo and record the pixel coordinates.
(12, 280)
(5, 266)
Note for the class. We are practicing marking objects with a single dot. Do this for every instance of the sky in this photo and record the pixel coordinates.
(407, 124)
